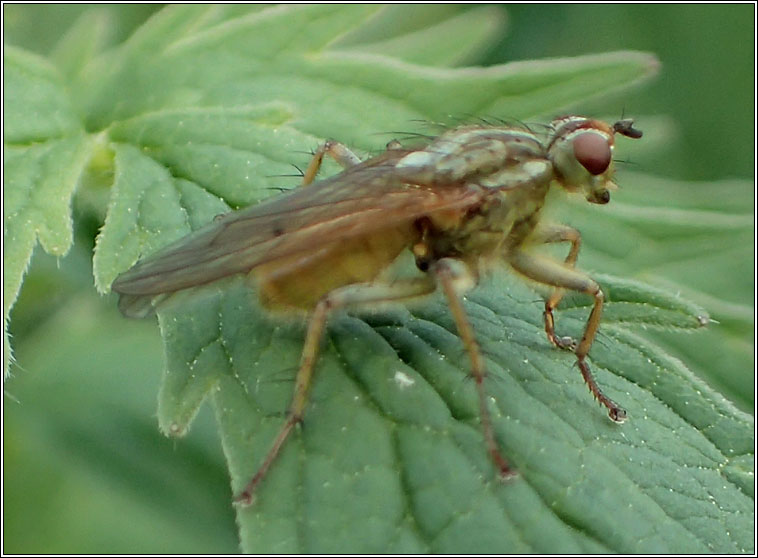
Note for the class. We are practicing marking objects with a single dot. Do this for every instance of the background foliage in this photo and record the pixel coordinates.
(82, 438)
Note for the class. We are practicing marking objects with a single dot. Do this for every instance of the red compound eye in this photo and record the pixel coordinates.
(593, 152)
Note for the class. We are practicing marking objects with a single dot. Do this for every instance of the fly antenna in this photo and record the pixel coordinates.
(625, 127)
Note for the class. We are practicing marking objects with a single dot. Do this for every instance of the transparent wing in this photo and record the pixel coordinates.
(361, 200)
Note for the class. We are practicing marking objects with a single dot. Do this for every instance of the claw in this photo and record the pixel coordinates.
(617, 414)
(244, 499)
(566, 343)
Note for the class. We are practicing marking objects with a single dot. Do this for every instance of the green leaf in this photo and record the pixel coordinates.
(630, 302)
(44, 154)
(202, 110)
(82, 41)
(391, 447)
(410, 33)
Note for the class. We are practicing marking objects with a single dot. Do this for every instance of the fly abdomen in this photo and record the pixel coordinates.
(301, 280)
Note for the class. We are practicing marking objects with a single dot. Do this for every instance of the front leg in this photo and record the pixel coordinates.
(549, 272)
(548, 234)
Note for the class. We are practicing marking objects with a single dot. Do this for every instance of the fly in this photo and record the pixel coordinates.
(471, 196)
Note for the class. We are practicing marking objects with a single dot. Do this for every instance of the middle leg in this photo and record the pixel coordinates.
(348, 296)
(454, 277)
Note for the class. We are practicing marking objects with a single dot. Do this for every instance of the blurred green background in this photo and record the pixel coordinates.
(85, 469)
(706, 83)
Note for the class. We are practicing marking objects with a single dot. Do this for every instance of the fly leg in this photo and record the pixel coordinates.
(350, 296)
(548, 234)
(336, 151)
(558, 275)
(454, 277)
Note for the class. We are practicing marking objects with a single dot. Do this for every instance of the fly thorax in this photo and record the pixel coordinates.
(485, 230)
(463, 154)
(530, 174)
(523, 225)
